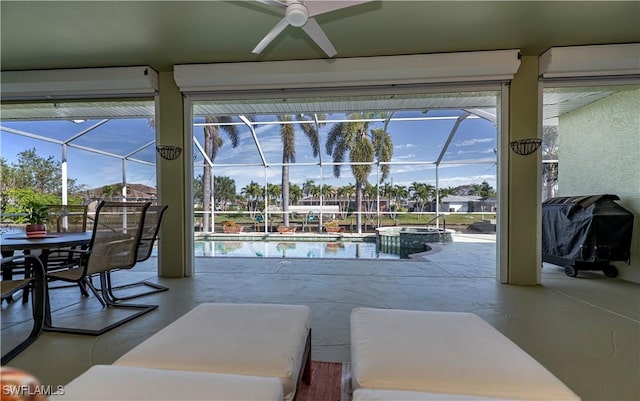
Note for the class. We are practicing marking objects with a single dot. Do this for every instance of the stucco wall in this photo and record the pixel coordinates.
(600, 153)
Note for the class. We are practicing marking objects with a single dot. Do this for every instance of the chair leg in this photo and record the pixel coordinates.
(103, 297)
(156, 288)
(38, 292)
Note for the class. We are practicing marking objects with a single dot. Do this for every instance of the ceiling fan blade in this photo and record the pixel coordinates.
(317, 7)
(275, 3)
(317, 35)
(270, 36)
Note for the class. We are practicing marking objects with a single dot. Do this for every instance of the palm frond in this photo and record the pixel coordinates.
(332, 138)
(309, 129)
(287, 133)
(383, 146)
(361, 152)
(338, 157)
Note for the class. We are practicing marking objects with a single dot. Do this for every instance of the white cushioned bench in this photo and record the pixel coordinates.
(447, 353)
(117, 383)
(265, 340)
(368, 394)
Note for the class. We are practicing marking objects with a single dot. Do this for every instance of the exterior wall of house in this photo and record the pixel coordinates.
(600, 153)
(455, 207)
(174, 258)
(523, 251)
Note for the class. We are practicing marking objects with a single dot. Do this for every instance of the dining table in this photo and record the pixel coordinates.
(18, 241)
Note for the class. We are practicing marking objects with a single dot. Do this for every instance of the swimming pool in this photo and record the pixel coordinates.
(286, 249)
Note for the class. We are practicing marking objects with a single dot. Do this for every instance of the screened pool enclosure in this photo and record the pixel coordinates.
(362, 161)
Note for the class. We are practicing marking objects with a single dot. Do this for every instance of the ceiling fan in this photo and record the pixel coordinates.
(299, 13)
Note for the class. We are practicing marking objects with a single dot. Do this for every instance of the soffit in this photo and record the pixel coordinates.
(556, 102)
(76, 34)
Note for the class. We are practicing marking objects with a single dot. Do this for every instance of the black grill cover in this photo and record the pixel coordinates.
(586, 228)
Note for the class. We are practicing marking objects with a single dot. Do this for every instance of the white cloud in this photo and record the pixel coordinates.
(470, 142)
(406, 146)
(405, 157)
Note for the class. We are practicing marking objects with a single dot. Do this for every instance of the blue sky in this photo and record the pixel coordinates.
(414, 142)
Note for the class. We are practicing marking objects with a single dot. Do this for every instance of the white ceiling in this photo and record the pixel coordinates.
(76, 34)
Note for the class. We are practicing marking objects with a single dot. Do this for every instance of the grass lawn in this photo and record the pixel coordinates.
(405, 219)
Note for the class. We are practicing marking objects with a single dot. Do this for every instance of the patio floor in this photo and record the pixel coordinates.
(585, 330)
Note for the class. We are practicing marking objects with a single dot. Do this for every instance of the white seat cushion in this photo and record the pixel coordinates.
(440, 352)
(367, 394)
(108, 382)
(245, 339)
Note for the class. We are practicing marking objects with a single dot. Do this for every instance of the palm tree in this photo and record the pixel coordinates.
(327, 191)
(345, 192)
(352, 138)
(295, 193)
(212, 143)
(287, 133)
(421, 193)
(275, 192)
(386, 191)
(486, 190)
(369, 193)
(252, 193)
(400, 194)
(476, 189)
(224, 191)
(308, 188)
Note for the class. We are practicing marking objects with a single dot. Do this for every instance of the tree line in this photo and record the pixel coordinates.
(254, 197)
(35, 178)
(354, 140)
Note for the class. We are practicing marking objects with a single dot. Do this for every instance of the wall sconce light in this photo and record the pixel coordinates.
(169, 152)
(525, 147)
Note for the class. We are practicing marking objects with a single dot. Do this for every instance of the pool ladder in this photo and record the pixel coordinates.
(442, 233)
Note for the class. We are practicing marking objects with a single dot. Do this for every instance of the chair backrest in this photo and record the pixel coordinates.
(117, 230)
(152, 222)
(67, 218)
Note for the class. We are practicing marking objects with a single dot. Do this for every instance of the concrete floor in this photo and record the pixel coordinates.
(585, 330)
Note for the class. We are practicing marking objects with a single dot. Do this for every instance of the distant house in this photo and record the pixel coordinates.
(135, 193)
(367, 202)
(466, 203)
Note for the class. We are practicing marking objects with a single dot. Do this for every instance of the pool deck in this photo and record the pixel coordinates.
(585, 330)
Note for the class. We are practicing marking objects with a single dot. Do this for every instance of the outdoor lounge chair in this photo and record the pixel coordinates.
(117, 383)
(117, 230)
(420, 355)
(38, 293)
(266, 340)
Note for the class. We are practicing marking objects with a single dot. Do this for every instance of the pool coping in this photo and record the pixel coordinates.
(310, 237)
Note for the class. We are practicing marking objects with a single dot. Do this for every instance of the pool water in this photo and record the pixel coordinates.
(307, 250)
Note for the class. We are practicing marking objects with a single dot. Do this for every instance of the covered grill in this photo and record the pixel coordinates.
(586, 233)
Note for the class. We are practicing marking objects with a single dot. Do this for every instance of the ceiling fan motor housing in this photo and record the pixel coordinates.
(297, 14)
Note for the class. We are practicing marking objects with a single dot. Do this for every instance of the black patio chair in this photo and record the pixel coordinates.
(66, 219)
(152, 222)
(38, 293)
(117, 231)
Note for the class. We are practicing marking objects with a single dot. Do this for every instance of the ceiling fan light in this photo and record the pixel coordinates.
(297, 15)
